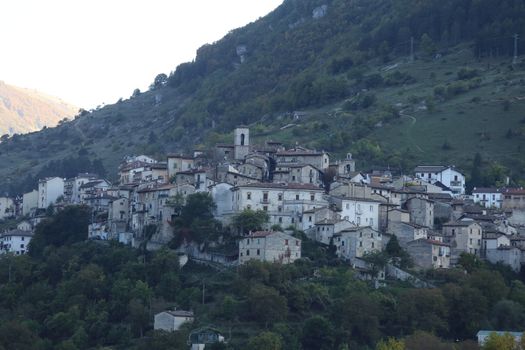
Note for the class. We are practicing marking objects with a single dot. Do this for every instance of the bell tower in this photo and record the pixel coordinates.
(241, 143)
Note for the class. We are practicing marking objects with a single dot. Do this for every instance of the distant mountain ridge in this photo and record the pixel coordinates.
(25, 110)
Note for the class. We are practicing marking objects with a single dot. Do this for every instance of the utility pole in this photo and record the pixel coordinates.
(203, 290)
(515, 59)
(411, 49)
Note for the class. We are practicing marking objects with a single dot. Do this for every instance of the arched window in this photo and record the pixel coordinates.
(242, 139)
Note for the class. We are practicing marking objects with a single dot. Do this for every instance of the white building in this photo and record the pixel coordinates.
(284, 203)
(487, 197)
(483, 335)
(172, 320)
(359, 211)
(15, 242)
(7, 208)
(178, 163)
(29, 202)
(49, 190)
(72, 187)
(269, 246)
(447, 175)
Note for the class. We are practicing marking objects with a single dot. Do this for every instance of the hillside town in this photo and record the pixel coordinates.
(355, 213)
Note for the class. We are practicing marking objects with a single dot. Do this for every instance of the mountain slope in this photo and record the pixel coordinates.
(347, 66)
(25, 110)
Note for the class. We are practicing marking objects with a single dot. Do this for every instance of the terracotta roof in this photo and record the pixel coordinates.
(259, 234)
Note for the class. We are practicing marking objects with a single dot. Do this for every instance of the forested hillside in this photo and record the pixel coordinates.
(348, 66)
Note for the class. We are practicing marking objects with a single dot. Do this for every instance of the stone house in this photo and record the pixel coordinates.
(172, 320)
(429, 254)
(269, 246)
(310, 217)
(320, 160)
(297, 173)
(7, 208)
(421, 211)
(407, 232)
(463, 236)
(506, 255)
(513, 198)
(355, 242)
(179, 162)
(325, 229)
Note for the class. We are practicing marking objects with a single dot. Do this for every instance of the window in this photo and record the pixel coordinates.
(309, 219)
(280, 196)
(249, 195)
(285, 242)
(247, 252)
(258, 252)
(23, 239)
(265, 208)
(360, 243)
(312, 197)
(280, 220)
(372, 244)
(360, 234)
(297, 243)
(293, 178)
(371, 222)
(297, 197)
(293, 220)
(265, 196)
(371, 208)
(279, 209)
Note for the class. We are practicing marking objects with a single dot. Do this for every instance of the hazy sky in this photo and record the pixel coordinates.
(90, 52)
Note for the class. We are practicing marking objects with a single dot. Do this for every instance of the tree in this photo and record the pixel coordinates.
(195, 222)
(390, 344)
(265, 341)
(499, 342)
(66, 227)
(249, 220)
(423, 340)
(317, 334)
(160, 80)
(476, 179)
(266, 305)
(428, 45)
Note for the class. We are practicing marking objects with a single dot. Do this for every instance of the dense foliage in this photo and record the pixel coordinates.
(71, 294)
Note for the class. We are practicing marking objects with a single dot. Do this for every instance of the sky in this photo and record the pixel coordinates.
(93, 52)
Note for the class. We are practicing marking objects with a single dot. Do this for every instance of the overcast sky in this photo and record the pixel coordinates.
(90, 52)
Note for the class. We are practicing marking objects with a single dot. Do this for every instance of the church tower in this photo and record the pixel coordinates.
(241, 143)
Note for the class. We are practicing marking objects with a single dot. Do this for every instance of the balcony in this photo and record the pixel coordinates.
(456, 184)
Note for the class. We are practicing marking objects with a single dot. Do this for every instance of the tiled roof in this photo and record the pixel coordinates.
(430, 168)
(486, 190)
(291, 186)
